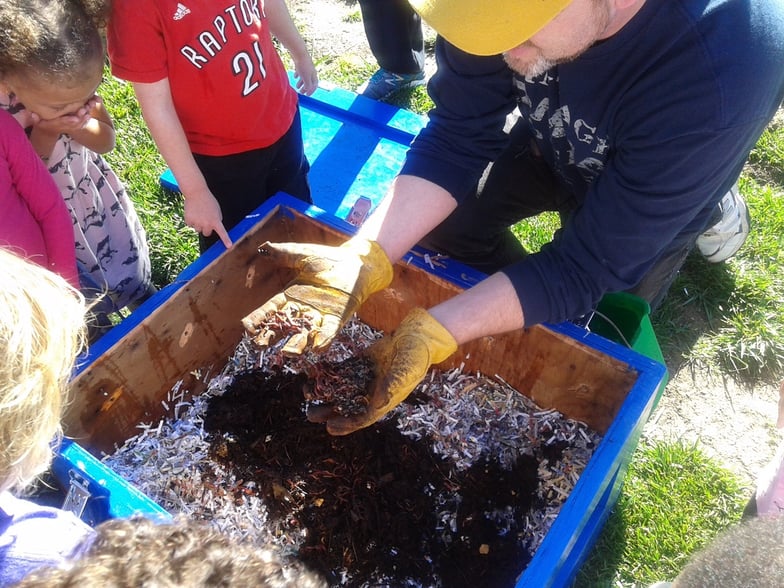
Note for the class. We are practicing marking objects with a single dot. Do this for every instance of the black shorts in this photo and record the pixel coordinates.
(241, 182)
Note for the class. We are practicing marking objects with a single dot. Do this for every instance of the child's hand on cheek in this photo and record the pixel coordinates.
(65, 124)
(93, 103)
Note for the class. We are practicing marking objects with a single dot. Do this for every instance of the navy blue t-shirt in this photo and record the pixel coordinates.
(647, 129)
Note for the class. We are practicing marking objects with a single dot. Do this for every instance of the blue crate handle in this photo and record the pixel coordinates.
(110, 496)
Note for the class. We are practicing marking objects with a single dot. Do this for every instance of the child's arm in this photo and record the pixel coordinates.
(91, 126)
(98, 134)
(202, 210)
(284, 29)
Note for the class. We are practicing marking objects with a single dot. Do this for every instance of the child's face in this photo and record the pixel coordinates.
(50, 100)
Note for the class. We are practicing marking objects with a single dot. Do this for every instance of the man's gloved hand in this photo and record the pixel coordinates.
(401, 362)
(332, 283)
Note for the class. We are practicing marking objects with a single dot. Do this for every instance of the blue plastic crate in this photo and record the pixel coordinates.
(196, 321)
(356, 147)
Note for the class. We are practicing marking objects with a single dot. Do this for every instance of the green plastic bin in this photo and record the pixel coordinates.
(626, 319)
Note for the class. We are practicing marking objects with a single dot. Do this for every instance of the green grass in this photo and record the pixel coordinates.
(355, 16)
(726, 316)
(350, 70)
(674, 501)
(769, 153)
(535, 232)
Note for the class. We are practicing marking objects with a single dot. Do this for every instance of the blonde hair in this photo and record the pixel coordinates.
(41, 333)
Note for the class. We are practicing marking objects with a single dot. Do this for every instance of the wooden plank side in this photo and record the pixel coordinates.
(555, 371)
(197, 327)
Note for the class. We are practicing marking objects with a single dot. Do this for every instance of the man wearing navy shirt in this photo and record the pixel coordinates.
(635, 118)
(633, 129)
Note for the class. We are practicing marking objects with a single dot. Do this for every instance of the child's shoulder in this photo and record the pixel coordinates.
(10, 129)
(6, 118)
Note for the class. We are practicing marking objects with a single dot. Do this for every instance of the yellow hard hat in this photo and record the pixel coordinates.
(487, 27)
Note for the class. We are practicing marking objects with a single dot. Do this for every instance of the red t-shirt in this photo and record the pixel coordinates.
(229, 86)
(34, 221)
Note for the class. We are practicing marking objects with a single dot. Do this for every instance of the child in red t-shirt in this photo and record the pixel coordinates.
(217, 100)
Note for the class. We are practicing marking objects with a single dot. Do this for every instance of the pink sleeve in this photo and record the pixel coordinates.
(36, 186)
(770, 485)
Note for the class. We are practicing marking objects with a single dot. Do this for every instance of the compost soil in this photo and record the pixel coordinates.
(372, 502)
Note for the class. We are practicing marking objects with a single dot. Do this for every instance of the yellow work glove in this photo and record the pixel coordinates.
(401, 362)
(331, 285)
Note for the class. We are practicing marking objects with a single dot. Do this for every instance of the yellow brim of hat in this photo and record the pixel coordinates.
(487, 27)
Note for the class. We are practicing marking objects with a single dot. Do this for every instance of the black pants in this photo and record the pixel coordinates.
(394, 33)
(520, 185)
(243, 181)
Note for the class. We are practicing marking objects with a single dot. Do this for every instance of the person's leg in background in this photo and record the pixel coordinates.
(656, 283)
(394, 33)
(727, 231)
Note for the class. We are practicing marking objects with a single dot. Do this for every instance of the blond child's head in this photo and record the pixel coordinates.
(41, 333)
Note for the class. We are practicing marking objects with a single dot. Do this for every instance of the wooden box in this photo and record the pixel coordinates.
(195, 323)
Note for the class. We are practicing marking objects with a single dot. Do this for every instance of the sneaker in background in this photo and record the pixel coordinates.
(384, 84)
(724, 239)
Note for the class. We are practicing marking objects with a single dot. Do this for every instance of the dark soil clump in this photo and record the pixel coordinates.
(375, 504)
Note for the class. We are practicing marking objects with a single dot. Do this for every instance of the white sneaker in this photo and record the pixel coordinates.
(722, 240)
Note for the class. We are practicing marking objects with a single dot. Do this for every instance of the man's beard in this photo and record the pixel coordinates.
(539, 63)
(531, 68)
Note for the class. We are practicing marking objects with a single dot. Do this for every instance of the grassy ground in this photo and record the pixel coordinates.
(639, 546)
(674, 499)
